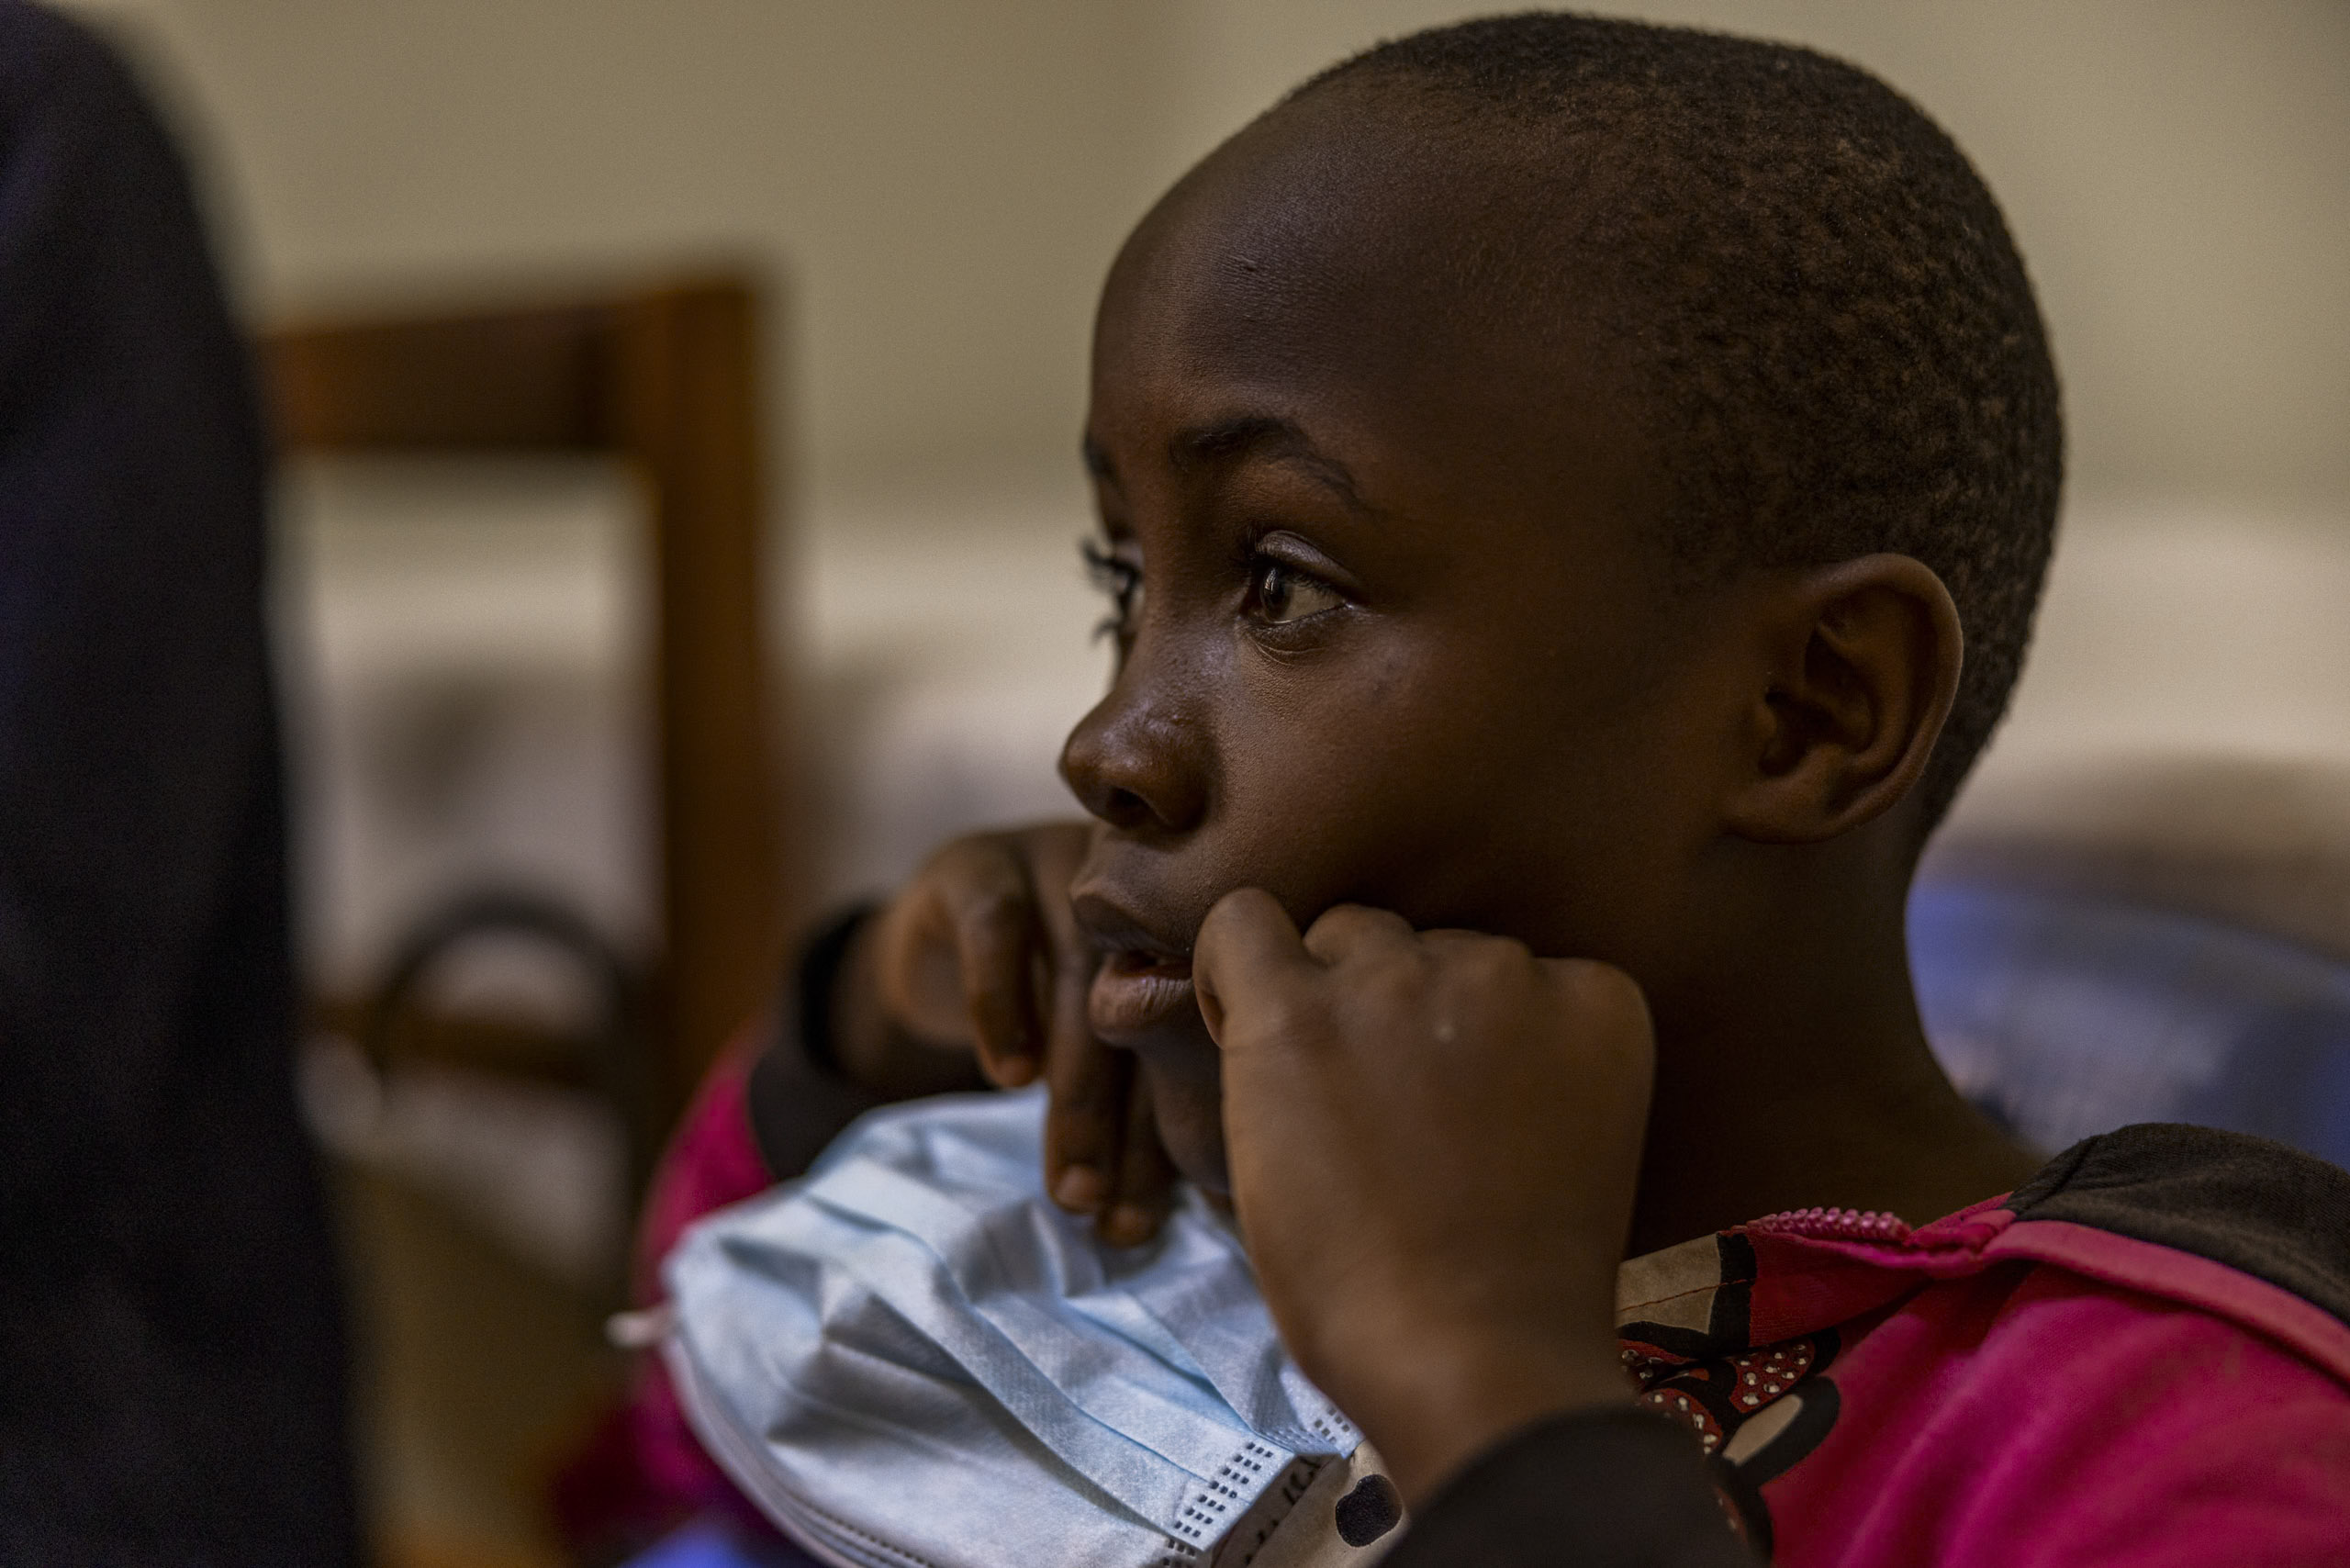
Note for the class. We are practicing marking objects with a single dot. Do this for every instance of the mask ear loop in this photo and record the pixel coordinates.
(643, 1330)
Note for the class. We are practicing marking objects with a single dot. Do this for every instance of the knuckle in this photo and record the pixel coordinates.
(1496, 961)
(1600, 990)
(1292, 1021)
(1394, 988)
(1487, 975)
(1345, 930)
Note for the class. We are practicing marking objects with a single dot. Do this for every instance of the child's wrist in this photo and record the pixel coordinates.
(1432, 1412)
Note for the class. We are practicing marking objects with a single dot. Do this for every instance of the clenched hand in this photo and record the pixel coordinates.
(1434, 1138)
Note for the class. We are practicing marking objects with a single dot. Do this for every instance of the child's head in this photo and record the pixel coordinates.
(1552, 459)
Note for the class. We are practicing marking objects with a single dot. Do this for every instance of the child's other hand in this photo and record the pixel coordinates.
(979, 953)
(1434, 1139)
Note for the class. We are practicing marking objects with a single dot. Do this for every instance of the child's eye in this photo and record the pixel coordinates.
(1283, 594)
(1120, 577)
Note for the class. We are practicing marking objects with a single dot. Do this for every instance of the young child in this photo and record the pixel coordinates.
(1578, 488)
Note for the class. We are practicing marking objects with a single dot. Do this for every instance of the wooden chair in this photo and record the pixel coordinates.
(665, 379)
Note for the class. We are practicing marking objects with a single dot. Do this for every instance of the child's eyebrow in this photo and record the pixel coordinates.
(1265, 435)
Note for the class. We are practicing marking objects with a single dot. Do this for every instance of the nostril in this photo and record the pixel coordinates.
(1124, 808)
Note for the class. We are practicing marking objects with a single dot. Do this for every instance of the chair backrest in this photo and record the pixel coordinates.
(666, 379)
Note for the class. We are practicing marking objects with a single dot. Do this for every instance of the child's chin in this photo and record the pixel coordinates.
(1191, 1126)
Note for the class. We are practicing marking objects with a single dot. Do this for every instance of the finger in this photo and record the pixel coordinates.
(1062, 970)
(1451, 936)
(917, 973)
(1356, 930)
(1607, 1003)
(1084, 1113)
(1144, 1188)
(1248, 949)
(1065, 977)
(1086, 1086)
(997, 945)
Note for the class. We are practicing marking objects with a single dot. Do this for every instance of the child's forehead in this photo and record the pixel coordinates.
(1334, 269)
(1430, 247)
(1317, 200)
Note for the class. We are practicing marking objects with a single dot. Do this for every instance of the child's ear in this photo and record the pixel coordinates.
(1860, 670)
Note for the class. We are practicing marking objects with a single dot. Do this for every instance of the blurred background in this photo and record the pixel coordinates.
(923, 195)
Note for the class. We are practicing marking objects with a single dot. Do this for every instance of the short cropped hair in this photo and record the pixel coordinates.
(1833, 333)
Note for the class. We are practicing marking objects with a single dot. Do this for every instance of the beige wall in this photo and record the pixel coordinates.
(945, 180)
(940, 181)
(2176, 171)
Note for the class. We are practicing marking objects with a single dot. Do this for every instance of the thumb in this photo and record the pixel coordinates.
(1248, 949)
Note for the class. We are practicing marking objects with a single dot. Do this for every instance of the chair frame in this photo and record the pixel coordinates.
(666, 379)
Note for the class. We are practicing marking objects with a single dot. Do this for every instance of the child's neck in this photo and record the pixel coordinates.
(1803, 1079)
(1724, 1148)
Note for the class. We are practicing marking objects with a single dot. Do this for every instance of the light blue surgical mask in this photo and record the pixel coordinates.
(910, 1356)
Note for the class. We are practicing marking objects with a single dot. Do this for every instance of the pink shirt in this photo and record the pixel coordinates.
(1991, 1390)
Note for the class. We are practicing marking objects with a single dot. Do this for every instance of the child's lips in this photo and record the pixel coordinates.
(1135, 992)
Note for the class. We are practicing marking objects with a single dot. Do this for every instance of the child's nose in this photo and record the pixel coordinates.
(1137, 768)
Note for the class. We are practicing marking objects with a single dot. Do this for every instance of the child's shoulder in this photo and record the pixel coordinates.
(2202, 1215)
(2140, 1354)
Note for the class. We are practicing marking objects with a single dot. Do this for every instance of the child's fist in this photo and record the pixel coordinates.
(979, 953)
(1434, 1139)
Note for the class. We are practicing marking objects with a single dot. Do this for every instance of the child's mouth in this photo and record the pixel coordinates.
(1137, 991)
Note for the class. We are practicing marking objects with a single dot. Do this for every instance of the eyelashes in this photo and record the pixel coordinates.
(1281, 593)
(1119, 578)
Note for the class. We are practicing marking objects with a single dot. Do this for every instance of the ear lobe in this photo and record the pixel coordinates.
(1860, 675)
